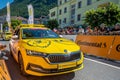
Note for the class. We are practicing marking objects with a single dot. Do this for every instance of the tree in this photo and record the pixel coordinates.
(14, 23)
(19, 7)
(52, 24)
(110, 15)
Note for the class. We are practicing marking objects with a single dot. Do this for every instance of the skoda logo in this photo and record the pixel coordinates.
(65, 51)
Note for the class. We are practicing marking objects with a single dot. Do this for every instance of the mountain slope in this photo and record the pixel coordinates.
(19, 7)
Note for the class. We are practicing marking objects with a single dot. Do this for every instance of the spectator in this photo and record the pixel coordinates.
(96, 31)
(116, 29)
(55, 30)
(74, 31)
(89, 30)
(103, 29)
(81, 30)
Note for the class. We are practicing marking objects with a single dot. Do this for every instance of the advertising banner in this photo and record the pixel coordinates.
(102, 46)
(31, 14)
(8, 15)
(115, 49)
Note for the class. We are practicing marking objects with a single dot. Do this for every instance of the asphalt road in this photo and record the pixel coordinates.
(94, 69)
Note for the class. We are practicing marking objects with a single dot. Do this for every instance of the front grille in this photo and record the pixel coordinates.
(49, 71)
(64, 57)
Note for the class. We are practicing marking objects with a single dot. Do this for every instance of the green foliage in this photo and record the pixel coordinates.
(53, 24)
(19, 7)
(14, 23)
(109, 15)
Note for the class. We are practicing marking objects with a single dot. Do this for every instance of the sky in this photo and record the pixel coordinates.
(3, 3)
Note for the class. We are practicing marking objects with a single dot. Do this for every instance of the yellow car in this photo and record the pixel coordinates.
(41, 52)
(7, 36)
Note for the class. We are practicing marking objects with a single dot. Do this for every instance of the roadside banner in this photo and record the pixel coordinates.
(31, 14)
(115, 49)
(101, 46)
(4, 73)
(8, 15)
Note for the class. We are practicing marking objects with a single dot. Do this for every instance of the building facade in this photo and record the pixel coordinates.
(72, 12)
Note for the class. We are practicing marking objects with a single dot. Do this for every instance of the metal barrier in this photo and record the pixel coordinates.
(102, 46)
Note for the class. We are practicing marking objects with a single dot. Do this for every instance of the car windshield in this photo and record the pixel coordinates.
(38, 33)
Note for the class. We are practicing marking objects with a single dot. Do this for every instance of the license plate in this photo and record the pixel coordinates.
(67, 65)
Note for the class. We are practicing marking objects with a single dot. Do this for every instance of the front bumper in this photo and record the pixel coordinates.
(39, 69)
(39, 66)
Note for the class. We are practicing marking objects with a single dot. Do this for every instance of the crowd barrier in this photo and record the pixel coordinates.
(4, 74)
(102, 45)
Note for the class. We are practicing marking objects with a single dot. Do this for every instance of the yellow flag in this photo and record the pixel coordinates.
(31, 14)
(8, 15)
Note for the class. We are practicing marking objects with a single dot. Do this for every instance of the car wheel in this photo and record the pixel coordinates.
(21, 65)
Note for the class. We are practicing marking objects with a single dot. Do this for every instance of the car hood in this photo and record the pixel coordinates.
(59, 45)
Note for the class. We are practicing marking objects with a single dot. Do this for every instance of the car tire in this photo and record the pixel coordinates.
(21, 65)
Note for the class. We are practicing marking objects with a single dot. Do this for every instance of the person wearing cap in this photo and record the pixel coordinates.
(103, 29)
(89, 30)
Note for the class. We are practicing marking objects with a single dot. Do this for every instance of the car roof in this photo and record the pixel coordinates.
(22, 26)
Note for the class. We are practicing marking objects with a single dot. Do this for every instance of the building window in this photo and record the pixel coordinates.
(72, 21)
(53, 14)
(79, 4)
(60, 12)
(78, 17)
(59, 21)
(73, 11)
(89, 2)
(60, 2)
(73, 6)
(65, 20)
(65, 0)
(65, 10)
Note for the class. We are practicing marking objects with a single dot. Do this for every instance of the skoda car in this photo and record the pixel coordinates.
(41, 52)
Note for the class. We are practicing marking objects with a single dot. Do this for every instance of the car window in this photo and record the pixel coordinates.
(38, 33)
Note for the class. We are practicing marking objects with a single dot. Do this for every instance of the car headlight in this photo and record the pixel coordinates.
(34, 53)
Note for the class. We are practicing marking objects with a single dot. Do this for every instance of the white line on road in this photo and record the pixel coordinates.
(102, 63)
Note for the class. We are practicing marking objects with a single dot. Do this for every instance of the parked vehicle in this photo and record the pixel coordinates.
(6, 35)
(41, 52)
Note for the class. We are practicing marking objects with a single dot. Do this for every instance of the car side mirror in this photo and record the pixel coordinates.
(15, 37)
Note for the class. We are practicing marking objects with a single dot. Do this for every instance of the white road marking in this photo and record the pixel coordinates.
(102, 63)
